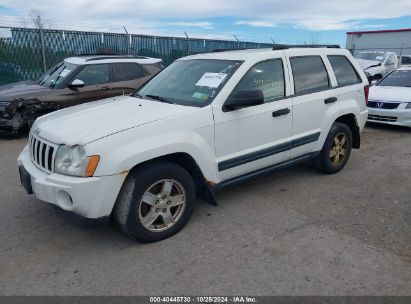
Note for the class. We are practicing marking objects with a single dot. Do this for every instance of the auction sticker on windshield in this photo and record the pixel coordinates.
(65, 72)
(211, 80)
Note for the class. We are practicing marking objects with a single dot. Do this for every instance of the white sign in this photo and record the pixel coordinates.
(65, 72)
(211, 80)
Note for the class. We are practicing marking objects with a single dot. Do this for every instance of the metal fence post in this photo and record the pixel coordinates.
(42, 43)
(188, 43)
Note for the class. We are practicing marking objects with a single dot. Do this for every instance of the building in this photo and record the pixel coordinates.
(398, 41)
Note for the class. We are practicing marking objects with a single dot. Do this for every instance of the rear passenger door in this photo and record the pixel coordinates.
(128, 76)
(312, 102)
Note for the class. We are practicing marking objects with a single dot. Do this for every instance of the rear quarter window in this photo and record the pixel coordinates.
(310, 74)
(343, 70)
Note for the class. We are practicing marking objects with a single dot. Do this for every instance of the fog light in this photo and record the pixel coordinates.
(64, 199)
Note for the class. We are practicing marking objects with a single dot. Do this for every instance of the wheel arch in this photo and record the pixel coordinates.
(186, 161)
(351, 121)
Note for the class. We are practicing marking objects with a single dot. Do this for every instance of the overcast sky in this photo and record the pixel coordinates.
(257, 20)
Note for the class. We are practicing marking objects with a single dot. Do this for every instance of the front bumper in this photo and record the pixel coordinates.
(90, 198)
(396, 117)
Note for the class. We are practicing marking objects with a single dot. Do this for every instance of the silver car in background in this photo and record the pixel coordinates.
(390, 99)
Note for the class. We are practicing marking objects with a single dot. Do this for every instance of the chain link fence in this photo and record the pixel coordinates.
(26, 53)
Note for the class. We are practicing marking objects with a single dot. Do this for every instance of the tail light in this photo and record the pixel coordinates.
(366, 93)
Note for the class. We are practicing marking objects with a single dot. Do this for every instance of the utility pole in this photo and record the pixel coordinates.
(40, 26)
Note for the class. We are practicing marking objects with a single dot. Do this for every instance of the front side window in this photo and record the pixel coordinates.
(127, 71)
(310, 74)
(267, 76)
(405, 60)
(193, 82)
(343, 70)
(398, 78)
(94, 74)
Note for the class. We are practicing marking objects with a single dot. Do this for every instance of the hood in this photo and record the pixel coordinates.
(395, 94)
(88, 122)
(365, 64)
(21, 90)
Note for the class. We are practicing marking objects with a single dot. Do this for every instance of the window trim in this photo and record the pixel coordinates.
(311, 91)
(355, 71)
(271, 99)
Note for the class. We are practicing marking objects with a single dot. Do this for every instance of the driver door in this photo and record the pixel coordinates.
(255, 137)
(97, 84)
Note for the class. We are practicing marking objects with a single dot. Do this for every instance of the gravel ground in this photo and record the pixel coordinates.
(294, 232)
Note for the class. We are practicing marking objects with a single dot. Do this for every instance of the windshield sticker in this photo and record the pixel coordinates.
(211, 80)
(200, 96)
(379, 57)
(65, 72)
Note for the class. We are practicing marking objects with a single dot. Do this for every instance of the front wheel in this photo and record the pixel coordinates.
(156, 201)
(336, 150)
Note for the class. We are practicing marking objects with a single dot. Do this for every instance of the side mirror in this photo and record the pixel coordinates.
(77, 83)
(244, 99)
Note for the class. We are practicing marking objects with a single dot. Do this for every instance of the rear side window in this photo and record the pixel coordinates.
(309, 74)
(344, 71)
(127, 71)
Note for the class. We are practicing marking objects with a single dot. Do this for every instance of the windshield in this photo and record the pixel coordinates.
(56, 74)
(370, 56)
(190, 82)
(399, 78)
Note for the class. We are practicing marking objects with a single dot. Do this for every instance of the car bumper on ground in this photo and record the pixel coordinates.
(397, 117)
(84, 199)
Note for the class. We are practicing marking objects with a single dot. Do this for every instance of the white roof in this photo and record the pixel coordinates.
(84, 60)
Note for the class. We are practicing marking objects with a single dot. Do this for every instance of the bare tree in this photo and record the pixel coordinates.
(36, 16)
(315, 38)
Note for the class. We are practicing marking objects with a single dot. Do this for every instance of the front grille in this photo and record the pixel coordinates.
(382, 118)
(383, 105)
(42, 153)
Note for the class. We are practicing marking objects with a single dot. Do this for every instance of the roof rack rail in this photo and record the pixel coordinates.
(231, 49)
(104, 57)
(300, 46)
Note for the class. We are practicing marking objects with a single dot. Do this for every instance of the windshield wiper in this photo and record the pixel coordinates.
(159, 98)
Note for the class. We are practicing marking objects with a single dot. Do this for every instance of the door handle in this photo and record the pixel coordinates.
(330, 100)
(105, 88)
(281, 112)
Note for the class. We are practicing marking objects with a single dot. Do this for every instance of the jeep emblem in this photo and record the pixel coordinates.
(37, 131)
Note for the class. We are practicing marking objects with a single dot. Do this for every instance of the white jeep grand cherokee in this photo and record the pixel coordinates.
(205, 122)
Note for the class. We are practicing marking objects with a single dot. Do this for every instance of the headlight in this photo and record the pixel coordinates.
(73, 161)
(408, 106)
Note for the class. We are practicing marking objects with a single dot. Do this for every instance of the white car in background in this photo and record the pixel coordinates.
(390, 99)
(377, 64)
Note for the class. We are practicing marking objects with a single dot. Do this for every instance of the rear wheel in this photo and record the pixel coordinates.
(336, 150)
(156, 201)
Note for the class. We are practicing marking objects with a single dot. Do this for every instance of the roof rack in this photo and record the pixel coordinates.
(301, 46)
(104, 57)
(231, 49)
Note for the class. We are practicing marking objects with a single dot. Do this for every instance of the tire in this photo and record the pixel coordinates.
(335, 154)
(156, 201)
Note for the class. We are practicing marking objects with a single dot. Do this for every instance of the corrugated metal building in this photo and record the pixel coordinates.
(398, 41)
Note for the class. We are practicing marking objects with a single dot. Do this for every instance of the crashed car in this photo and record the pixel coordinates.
(377, 64)
(74, 81)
